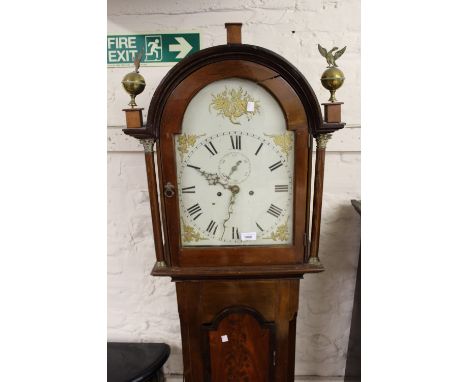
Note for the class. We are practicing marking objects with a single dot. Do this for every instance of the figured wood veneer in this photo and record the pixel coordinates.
(203, 306)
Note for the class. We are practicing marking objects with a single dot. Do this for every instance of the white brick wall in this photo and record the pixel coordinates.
(144, 308)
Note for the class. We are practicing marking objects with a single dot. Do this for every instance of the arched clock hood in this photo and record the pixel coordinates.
(245, 52)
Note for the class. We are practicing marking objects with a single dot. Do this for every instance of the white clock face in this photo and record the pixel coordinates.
(235, 162)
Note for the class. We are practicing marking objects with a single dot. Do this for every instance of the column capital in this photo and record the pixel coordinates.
(322, 140)
(148, 145)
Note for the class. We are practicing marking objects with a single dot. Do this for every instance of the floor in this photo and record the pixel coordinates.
(178, 378)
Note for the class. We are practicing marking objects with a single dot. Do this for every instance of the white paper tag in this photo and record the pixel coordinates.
(248, 236)
(224, 338)
(250, 106)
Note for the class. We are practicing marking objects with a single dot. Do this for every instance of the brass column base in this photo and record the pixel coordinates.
(313, 260)
(161, 264)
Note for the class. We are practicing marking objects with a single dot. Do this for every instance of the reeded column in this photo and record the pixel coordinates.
(148, 145)
(322, 140)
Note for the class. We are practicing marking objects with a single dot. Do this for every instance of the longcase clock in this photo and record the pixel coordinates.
(231, 129)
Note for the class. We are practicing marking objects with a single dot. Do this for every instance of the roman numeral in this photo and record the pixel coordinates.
(195, 167)
(235, 233)
(258, 225)
(212, 227)
(236, 142)
(259, 147)
(274, 166)
(211, 149)
(275, 211)
(188, 190)
(281, 188)
(194, 210)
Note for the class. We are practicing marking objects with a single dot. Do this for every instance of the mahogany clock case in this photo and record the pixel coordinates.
(237, 304)
(303, 117)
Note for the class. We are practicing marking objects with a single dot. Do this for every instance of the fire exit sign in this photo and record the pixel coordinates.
(158, 49)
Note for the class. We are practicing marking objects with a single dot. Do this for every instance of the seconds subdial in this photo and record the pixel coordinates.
(234, 167)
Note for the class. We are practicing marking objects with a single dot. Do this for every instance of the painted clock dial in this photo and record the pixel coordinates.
(235, 165)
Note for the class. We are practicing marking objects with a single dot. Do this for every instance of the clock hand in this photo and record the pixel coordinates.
(234, 191)
(230, 209)
(234, 168)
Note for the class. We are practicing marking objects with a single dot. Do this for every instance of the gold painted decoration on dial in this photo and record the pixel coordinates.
(233, 104)
(185, 142)
(281, 233)
(283, 141)
(190, 234)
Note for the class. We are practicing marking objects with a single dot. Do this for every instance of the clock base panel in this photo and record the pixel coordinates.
(238, 329)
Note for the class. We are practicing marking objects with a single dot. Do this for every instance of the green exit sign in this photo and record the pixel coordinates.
(158, 49)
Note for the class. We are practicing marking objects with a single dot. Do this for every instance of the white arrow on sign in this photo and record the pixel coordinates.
(183, 47)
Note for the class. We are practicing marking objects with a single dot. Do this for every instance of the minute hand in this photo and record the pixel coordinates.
(234, 191)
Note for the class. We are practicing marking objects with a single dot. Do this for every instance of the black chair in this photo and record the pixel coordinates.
(136, 362)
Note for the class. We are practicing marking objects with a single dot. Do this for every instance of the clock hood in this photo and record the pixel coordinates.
(245, 52)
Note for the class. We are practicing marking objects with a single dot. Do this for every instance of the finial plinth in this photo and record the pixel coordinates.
(134, 117)
(332, 112)
(234, 33)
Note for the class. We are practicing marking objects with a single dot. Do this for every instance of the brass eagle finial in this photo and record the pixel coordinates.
(137, 60)
(330, 57)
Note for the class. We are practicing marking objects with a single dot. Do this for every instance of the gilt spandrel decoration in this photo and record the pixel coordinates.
(190, 234)
(185, 142)
(281, 233)
(283, 141)
(233, 104)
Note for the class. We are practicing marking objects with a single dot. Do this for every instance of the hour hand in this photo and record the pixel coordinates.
(213, 178)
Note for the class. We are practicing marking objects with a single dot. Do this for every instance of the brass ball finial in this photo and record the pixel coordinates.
(133, 82)
(332, 78)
